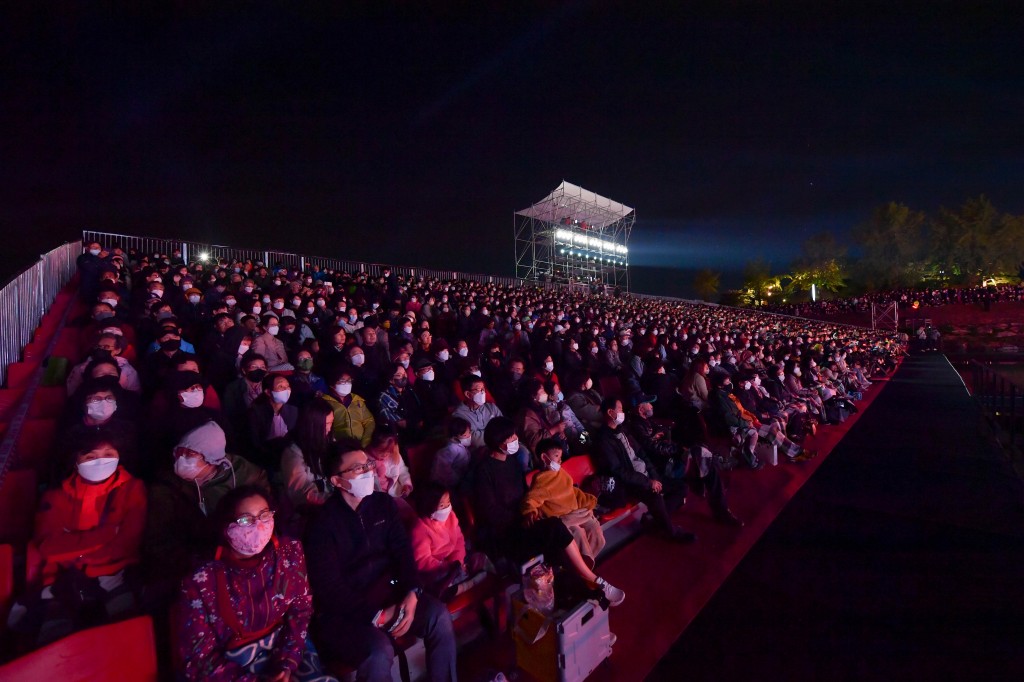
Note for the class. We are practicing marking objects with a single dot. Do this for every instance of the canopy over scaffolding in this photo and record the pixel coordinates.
(574, 235)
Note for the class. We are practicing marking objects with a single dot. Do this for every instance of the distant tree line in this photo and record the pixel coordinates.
(896, 247)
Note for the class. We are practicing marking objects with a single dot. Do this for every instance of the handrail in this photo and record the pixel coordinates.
(1002, 400)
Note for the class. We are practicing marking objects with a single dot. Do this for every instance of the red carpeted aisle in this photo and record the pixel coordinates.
(667, 584)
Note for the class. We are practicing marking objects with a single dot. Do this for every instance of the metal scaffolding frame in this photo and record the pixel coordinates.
(574, 236)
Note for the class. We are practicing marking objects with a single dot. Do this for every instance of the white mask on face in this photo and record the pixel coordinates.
(101, 410)
(243, 348)
(797, 371)
(343, 388)
(361, 485)
(443, 355)
(112, 302)
(480, 398)
(620, 417)
(278, 305)
(281, 397)
(193, 299)
(96, 470)
(441, 515)
(476, 373)
(428, 375)
(256, 310)
(549, 366)
(404, 363)
(554, 466)
(746, 385)
(191, 399)
(593, 350)
(466, 442)
(358, 360)
(757, 381)
(463, 352)
(273, 330)
(512, 448)
(589, 385)
(188, 468)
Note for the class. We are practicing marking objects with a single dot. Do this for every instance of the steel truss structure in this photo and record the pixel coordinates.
(574, 236)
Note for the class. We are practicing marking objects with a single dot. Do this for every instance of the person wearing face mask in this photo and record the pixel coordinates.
(539, 419)
(451, 463)
(302, 461)
(88, 533)
(106, 345)
(619, 456)
(246, 613)
(553, 495)
(182, 498)
(476, 409)
(90, 264)
(270, 347)
(392, 474)
(271, 420)
(352, 417)
(94, 410)
(362, 570)
(585, 401)
(434, 396)
(398, 407)
(241, 392)
(439, 547)
(306, 384)
(728, 415)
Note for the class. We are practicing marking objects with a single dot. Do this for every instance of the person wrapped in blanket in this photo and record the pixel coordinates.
(245, 615)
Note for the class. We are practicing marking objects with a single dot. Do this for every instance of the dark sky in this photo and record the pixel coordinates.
(412, 137)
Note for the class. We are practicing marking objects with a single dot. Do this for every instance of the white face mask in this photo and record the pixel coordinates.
(193, 299)
(428, 375)
(554, 466)
(281, 397)
(549, 366)
(230, 302)
(96, 470)
(476, 373)
(441, 515)
(358, 360)
(443, 356)
(746, 385)
(466, 442)
(589, 385)
(273, 330)
(797, 371)
(593, 350)
(191, 398)
(256, 310)
(480, 398)
(361, 485)
(513, 447)
(112, 302)
(542, 398)
(757, 381)
(620, 417)
(343, 388)
(278, 305)
(101, 410)
(404, 363)
(188, 468)
(463, 352)
(243, 348)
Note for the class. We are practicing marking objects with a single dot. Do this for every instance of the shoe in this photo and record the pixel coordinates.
(614, 595)
(726, 517)
(806, 455)
(683, 537)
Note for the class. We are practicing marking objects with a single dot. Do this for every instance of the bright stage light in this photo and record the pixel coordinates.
(204, 256)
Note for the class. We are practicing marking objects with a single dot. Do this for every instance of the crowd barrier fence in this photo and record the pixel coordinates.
(1002, 401)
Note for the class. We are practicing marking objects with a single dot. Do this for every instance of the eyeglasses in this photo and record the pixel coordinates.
(248, 519)
(108, 399)
(358, 469)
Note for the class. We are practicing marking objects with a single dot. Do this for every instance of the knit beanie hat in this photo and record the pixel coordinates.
(208, 440)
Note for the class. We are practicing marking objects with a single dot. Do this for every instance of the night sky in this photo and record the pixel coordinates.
(393, 135)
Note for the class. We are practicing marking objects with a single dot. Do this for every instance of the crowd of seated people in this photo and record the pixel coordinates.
(934, 296)
(228, 415)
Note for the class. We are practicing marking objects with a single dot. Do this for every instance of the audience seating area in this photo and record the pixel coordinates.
(437, 335)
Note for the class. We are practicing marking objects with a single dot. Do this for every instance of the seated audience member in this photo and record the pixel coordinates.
(270, 347)
(177, 530)
(585, 401)
(352, 418)
(620, 457)
(434, 397)
(399, 409)
(302, 461)
(246, 613)
(97, 409)
(539, 418)
(186, 405)
(553, 495)
(305, 383)
(245, 389)
(271, 420)
(439, 548)
(107, 346)
(502, 529)
(694, 464)
(392, 474)
(365, 585)
(729, 413)
(452, 462)
(475, 409)
(87, 537)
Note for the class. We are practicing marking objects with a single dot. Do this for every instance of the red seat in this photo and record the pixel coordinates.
(420, 458)
(19, 373)
(17, 506)
(48, 402)
(611, 387)
(579, 467)
(9, 400)
(32, 449)
(6, 582)
(68, 346)
(124, 651)
(35, 351)
(616, 513)
(530, 475)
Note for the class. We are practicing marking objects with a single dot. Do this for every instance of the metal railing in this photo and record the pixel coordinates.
(1002, 400)
(26, 298)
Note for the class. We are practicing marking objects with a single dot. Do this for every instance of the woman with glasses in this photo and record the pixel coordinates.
(245, 615)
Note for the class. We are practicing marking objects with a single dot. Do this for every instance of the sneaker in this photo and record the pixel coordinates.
(806, 455)
(614, 595)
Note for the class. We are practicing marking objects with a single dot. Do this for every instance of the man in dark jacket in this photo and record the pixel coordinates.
(364, 579)
(619, 456)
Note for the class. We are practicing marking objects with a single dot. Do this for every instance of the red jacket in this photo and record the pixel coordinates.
(95, 526)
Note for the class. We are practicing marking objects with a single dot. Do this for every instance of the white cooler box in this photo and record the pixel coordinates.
(565, 647)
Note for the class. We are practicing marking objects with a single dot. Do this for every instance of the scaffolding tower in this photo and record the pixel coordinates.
(574, 236)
